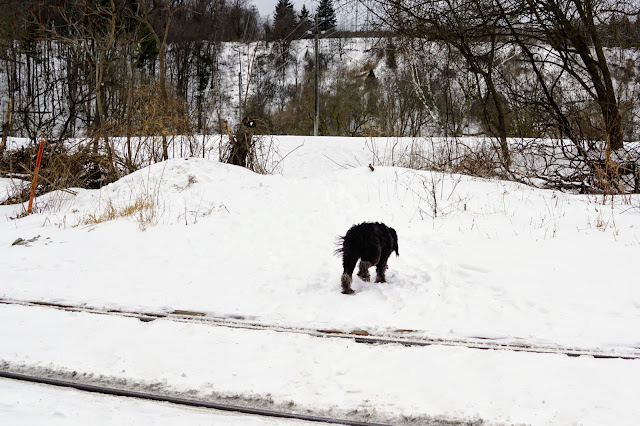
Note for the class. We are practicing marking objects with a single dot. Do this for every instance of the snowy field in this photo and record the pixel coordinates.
(478, 259)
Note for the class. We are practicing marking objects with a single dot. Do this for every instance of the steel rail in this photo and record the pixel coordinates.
(179, 401)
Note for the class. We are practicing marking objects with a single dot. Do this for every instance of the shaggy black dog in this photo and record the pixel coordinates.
(372, 243)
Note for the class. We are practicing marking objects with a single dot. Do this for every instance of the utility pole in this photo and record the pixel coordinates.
(240, 112)
(316, 106)
(357, 16)
(368, 19)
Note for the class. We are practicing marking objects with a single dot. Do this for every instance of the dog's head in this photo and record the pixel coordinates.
(394, 237)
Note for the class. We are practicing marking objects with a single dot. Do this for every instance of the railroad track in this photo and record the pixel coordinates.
(401, 337)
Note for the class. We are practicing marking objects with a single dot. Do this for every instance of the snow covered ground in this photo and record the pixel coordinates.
(478, 258)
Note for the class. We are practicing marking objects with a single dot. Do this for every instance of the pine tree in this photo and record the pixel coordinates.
(305, 16)
(284, 20)
(305, 22)
(326, 15)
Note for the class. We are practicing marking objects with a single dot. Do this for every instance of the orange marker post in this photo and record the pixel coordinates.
(35, 176)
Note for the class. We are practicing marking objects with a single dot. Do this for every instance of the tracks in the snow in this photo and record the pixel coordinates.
(401, 337)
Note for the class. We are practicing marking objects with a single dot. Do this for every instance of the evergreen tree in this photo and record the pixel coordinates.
(305, 21)
(284, 32)
(305, 15)
(284, 20)
(326, 15)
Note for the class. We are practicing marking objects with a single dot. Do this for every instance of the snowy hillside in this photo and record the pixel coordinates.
(478, 259)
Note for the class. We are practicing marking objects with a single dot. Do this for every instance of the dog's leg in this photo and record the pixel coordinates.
(381, 267)
(363, 272)
(370, 257)
(348, 264)
(380, 271)
(346, 284)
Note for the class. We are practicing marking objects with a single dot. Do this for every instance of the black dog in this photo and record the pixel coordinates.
(372, 243)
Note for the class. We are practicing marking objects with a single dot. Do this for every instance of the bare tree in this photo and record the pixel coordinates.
(563, 68)
(164, 14)
(570, 28)
(561, 43)
(471, 28)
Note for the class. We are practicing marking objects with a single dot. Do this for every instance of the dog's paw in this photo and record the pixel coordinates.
(347, 291)
(366, 278)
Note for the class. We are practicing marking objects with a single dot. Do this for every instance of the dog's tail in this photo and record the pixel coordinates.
(339, 246)
(394, 237)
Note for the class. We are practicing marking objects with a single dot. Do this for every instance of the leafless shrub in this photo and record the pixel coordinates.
(17, 192)
(149, 131)
(548, 163)
(439, 196)
(64, 165)
(584, 168)
(468, 156)
(247, 148)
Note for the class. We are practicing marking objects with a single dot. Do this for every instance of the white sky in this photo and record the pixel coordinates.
(267, 7)
(345, 10)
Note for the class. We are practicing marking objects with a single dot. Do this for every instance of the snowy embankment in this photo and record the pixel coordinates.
(478, 258)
